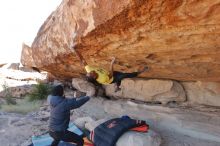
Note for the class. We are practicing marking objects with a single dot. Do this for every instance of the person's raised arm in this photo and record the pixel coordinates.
(111, 67)
(82, 60)
(76, 102)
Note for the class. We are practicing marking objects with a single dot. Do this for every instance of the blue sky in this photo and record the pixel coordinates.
(20, 22)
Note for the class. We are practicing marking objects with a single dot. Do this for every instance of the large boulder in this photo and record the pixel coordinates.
(152, 90)
(206, 93)
(14, 66)
(201, 123)
(178, 39)
(131, 138)
(27, 56)
(84, 86)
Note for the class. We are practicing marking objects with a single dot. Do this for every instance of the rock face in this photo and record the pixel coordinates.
(163, 91)
(132, 138)
(207, 93)
(14, 66)
(177, 39)
(200, 123)
(27, 56)
(84, 86)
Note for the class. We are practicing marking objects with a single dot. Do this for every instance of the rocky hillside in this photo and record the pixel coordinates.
(177, 39)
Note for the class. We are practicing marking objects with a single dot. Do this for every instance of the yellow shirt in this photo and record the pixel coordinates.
(103, 75)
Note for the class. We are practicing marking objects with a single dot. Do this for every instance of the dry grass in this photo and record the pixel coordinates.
(23, 106)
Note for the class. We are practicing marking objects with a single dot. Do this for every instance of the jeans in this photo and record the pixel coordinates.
(66, 136)
(119, 76)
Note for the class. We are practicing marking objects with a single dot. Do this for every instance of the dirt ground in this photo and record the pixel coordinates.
(16, 129)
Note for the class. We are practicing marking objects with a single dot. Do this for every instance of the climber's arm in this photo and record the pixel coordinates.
(111, 68)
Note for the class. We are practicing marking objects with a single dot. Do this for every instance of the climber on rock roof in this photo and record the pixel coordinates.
(103, 76)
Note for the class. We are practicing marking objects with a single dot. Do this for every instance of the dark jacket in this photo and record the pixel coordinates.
(60, 111)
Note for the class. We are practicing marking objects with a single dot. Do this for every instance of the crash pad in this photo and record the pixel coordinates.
(46, 139)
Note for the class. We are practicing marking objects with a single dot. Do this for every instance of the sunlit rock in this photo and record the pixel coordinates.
(178, 39)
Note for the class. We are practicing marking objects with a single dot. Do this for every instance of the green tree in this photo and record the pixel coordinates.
(40, 91)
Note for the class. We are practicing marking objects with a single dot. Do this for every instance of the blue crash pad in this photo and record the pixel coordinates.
(46, 140)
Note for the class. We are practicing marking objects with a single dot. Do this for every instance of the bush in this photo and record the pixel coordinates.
(8, 95)
(40, 91)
